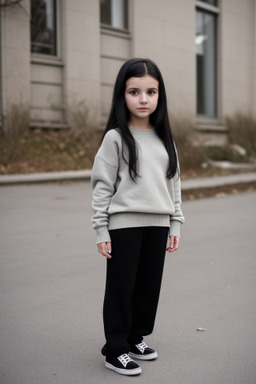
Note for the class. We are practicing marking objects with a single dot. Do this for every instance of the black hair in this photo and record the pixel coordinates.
(119, 114)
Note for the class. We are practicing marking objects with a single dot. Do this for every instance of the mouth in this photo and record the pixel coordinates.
(143, 109)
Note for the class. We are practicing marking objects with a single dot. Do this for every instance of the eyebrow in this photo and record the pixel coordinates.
(139, 88)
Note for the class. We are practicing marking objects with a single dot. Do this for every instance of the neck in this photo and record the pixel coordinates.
(140, 123)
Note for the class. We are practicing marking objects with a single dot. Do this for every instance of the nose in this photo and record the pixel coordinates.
(143, 98)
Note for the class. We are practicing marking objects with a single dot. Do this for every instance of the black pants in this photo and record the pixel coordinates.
(133, 283)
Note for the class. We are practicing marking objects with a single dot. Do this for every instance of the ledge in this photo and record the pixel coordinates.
(48, 125)
(46, 61)
(212, 128)
(205, 123)
(109, 31)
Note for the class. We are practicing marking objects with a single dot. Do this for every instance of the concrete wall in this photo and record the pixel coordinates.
(238, 56)
(15, 60)
(115, 49)
(46, 105)
(47, 99)
(165, 32)
(78, 82)
(66, 88)
(81, 56)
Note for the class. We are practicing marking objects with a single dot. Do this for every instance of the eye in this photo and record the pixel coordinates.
(151, 92)
(133, 92)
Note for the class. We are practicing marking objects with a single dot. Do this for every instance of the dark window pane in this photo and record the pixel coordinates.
(114, 13)
(105, 12)
(205, 41)
(43, 27)
(211, 2)
(125, 15)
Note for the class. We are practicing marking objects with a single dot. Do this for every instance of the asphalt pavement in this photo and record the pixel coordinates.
(52, 283)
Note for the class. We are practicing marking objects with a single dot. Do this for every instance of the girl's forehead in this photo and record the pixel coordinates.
(145, 81)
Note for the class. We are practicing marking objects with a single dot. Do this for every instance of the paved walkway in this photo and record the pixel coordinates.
(52, 282)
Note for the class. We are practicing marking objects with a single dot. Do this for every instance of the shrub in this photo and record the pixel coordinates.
(191, 155)
(242, 131)
(225, 153)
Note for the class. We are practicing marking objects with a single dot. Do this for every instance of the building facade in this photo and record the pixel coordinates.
(59, 58)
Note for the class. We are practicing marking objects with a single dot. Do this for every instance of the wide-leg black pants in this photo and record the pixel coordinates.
(133, 282)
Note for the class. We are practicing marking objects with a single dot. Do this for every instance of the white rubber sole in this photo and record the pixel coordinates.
(127, 372)
(151, 356)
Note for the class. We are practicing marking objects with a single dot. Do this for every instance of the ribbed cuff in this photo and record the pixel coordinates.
(102, 235)
(175, 228)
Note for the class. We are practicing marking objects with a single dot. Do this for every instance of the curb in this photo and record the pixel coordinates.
(45, 177)
(218, 181)
(186, 185)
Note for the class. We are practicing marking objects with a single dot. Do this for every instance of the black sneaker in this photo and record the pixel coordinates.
(142, 352)
(123, 364)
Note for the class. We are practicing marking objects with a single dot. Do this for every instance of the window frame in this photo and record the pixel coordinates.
(215, 11)
(123, 31)
(57, 56)
(207, 7)
(202, 3)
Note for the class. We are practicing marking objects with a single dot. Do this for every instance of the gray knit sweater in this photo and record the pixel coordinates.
(119, 202)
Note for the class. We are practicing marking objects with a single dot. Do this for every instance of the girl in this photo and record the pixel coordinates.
(136, 203)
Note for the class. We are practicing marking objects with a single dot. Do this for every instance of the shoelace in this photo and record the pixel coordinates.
(141, 346)
(124, 359)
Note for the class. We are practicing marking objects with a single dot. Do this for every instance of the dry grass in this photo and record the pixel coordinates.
(46, 151)
(26, 151)
(18, 121)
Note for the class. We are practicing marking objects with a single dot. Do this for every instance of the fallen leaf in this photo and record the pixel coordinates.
(60, 198)
(220, 194)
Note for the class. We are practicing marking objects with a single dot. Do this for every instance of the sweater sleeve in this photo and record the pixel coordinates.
(177, 218)
(104, 177)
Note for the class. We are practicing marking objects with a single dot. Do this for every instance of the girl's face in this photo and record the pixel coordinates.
(141, 97)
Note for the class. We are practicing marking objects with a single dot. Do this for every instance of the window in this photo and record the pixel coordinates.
(210, 2)
(206, 60)
(114, 14)
(43, 27)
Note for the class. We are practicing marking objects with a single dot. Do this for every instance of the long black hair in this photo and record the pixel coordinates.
(119, 114)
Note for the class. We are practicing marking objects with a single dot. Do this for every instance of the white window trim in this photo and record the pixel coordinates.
(205, 120)
(58, 56)
(207, 7)
(120, 31)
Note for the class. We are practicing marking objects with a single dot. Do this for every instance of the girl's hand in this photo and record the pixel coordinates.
(174, 244)
(105, 249)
